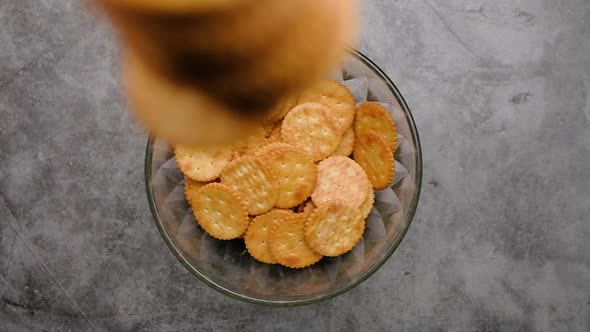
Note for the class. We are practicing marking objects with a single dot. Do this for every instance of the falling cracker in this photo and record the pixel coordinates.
(287, 242)
(220, 211)
(281, 109)
(307, 127)
(372, 152)
(295, 172)
(336, 97)
(334, 228)
(340, 178)
(346, 144)
(256, 237)
(254, 180)
(251, 143)
(202, 163)
(371, 116)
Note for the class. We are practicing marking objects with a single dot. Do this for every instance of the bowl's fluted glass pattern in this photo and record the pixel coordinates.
(227, 266)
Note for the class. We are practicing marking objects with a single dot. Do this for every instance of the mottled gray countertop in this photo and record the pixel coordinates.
(500, 91)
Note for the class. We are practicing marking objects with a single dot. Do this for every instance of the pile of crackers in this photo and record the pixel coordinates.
(300, 187)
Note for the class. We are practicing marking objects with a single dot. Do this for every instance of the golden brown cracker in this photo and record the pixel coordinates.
(295, 172)
(220, 211)
(306, 127)
(372, 116)
(180, 113)
(254, 181)
(334, 228)
(367, 205)
(336, 97)
(346, 144)
(372, 152)
(202, 163)
(272, 147)
(287, 242)
(256, 237)
(309, 207)
(191, 187)
(275, 134)
(340, 178)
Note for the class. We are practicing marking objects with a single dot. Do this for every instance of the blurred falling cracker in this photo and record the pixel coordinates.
(251, 143)
(372, 116)
(334, 228)
(256, 237)
(346, 144)
(238, 55)
(374, 155)
(220, 211)
(287, 242)
(295, 172)
(177, 112)
(337, 98)
(340, 178)
(203, 163)
(307, 127)
(254, 180)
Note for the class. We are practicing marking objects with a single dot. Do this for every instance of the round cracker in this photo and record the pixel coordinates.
(178, 112)
(220, 211)
(334, 228)
(308, 128)
(372, 116)
(202, 163)
(191, 187)
(372, 152)
(256, 237)
(336, 97)
(295, 172)
(271, 148)
(367, 205)
(346, 144)
(254, 180)
(287, 244)
(340, 178)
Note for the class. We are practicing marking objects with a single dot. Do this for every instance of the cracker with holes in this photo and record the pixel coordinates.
(295, 172)
(372, 152)
(337, 98)
(220, 211)
(271, 147)
(346, 144)
(287, 244)
(306, 127)
(334, 228)
(191, 187)
(256, 237)
(340, 178)
(371, 116)
(203, 163)
(254, 181)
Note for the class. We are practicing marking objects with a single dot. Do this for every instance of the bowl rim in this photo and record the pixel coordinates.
(342, 289)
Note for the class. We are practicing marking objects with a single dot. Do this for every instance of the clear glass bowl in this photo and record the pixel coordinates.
(226, 265)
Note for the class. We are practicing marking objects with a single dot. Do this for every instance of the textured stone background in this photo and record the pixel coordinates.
(501, 94)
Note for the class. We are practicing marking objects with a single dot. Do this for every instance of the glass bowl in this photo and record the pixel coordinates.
(226, 265)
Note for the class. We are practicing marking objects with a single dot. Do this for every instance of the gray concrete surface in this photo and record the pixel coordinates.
(501, 242)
